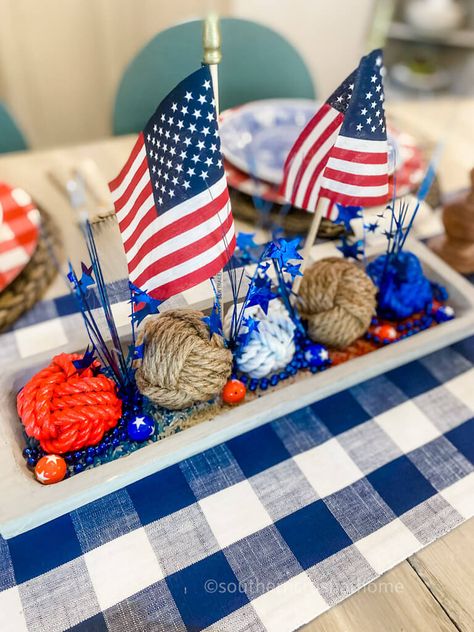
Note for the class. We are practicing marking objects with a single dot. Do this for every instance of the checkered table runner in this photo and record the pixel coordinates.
(268, 530)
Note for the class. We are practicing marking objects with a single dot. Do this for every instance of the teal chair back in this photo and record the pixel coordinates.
(257, 63)
(11, 138)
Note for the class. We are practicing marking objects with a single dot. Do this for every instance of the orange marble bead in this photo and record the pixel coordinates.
(233, 392)
(50, 469)
(385, 332)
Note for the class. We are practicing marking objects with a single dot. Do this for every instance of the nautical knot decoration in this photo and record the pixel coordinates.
(403, 288)
(269, 348)
(337, 299)
(181, 364)
(67, 409)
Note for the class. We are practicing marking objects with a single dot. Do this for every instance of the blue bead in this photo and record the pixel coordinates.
(69, 458)
(90, 451)
(314, 369)
(78, 468)
(253, 384)
(244, 379)
(274, 380)
(123, 436)
(115, 442)
(283, 375)
(304, 364)
(115, 432)
(78, 456)
(89, 460)
(31, 461)
(26, 453)
(140, 428)
(264, 384)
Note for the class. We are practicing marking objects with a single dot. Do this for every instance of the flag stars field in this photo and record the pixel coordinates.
(184, 203)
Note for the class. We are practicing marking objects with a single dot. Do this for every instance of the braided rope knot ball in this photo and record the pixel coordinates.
(272, 347)
(337, 299)
(66, 409)
(181, 365)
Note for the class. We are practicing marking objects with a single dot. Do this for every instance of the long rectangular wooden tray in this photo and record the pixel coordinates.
(25, 504)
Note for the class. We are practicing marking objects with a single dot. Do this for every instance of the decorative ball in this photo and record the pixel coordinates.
(270, 348)
(444, 313)
(181, 364)
(385, 332)
(316, 355)
(141, 428)
(50, 469)
(403, 288)
(66, 409)
(337, 299)
(233, 392)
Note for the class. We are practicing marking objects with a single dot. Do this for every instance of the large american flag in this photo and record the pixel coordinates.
(341, 155)
(171, 197)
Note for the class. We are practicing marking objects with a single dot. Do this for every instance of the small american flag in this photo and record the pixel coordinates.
(171, 196)
(341, 155)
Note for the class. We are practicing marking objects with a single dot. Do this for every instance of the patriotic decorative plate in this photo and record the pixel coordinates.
(409, 171)
(19, 232)
(257, 136)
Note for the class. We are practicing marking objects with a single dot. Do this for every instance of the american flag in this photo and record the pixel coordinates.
(171, 197)
(341, 155)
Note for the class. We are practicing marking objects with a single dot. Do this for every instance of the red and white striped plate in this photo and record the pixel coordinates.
(19, 232)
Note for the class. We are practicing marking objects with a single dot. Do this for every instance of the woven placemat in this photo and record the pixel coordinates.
(294, 222)
(32, 282)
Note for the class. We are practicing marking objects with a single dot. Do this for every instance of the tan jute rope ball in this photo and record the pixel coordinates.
(337, 299)
(180, 364)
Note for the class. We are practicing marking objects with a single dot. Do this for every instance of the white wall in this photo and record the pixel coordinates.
(61, 60)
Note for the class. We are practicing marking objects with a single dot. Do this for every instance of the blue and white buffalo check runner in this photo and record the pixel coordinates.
(268, 530)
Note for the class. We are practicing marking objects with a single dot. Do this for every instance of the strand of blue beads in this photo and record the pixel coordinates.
(299, 362)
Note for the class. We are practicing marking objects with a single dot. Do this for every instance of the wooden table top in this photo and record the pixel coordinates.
(432, 590)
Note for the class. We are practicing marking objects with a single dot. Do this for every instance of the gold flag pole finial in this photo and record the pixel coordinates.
(211, 40)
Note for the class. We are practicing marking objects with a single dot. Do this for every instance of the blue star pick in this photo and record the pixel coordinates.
(86, 360)
(371, 227)
(86, 279)
(245, 240)
(213, 321)
(346, 214)
(351, 251)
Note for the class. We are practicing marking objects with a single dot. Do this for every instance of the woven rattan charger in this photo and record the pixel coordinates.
(32, 282)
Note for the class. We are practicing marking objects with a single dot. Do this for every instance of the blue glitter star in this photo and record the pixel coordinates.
(86, 279)
(245, 240)
(140, 297)
(86, 360)
(213, 321)
(345, 214)
(252, 325)
(293, 270)
(284, 251)
(371, 227)
(351, 251)
(260, 296)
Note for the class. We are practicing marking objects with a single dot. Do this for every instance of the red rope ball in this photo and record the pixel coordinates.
(66, 409)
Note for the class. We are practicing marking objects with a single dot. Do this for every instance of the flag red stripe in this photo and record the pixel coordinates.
(181, 225)
(182, 254)
(138, 175)
(354, 178)
(353, 200)
(330, 129)
(190, 280)
(141, 199)
(367, 158)
(116, 182)
(307, 131)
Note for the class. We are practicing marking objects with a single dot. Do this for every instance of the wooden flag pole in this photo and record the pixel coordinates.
(211, 42)
(321, 207)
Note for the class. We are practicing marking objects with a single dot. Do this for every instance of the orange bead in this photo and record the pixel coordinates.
(233, 392)
(50, 469)
(385, 332)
